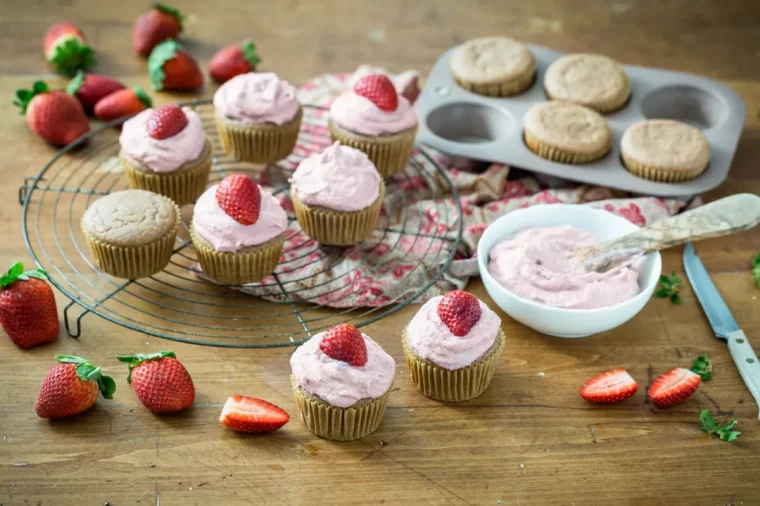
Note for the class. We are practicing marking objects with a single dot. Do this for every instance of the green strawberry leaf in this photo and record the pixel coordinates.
(160, 55)
(107, 386)
(139, 358)
(675, 298)
(669, 288)
(172, 12)
(142, 96)
(70, 359)
(725, 433)
(662, 293)
(756, 269)
(16, 273)
(708, 422)
(71, 55)
(248, 48)
(665, 280)
(703, 367)
(75, 83)
(23, 97)
(730, 436)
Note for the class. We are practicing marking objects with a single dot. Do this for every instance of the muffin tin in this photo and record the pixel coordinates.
(458, 122)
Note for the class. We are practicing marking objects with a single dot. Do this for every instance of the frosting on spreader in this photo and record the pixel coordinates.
(431, 339)
(359, 115)
(162, 155)
(337, 382)
(254, 98)
(537, 264)
(225, 234)
(340, 178)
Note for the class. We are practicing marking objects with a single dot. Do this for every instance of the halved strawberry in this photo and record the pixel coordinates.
(460, 311)
(345, 342)
(240, 198)
(609, 387)
(379, 90)
(673, 387)
(248, 414)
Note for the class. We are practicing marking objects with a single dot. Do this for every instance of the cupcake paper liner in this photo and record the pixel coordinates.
(453, 385)
(264, 143)
(390, 153)
(663, 174)
(555, 154)
(336, 423)
(338, 228)
(239, 267)
(503, 89)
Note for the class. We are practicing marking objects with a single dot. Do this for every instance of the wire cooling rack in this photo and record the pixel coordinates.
(179, 305)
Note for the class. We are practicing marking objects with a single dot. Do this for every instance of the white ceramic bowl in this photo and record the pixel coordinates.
(557, 321)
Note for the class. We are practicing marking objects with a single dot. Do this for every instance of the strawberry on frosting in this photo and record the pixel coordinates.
(240, 197)
(166, 121)
(460, 311)
(379, 90)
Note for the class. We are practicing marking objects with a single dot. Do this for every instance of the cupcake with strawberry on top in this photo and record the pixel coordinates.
(374, 118)
(165, 151)
(238, 231)
(452, 347)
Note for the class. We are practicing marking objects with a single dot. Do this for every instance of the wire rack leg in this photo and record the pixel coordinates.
(74, 326)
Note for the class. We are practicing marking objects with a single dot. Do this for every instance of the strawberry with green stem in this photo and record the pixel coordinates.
(28, 311)
(55, 116)
(72, 387)
(233, 60)
(172, 68)
(67, 50)
(161, 382)
(154, 26)
(670, 286)
(725, 432)
(90, 88)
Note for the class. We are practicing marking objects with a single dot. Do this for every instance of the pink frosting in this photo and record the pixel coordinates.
(337, 382)
(431, 339)
(340, 178)
(358, 114)
(537, 264)
(226, 234)
(257, 98)
(162, 155)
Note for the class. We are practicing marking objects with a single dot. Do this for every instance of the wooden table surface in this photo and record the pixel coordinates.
(530, 439)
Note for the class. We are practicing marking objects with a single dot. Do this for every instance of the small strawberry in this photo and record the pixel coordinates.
(122, 103)
(233, 60)
(248, 414)
(90, 88)
(55, 116)
(460, 311)
(673, 387)
(609, 387)
(166, 121)
(344, 342)
(71, 387)
(379, 90)
(155, 26)
(160, 381)
(67, 50)
(172, 68)
(28, 312)
(240, 198)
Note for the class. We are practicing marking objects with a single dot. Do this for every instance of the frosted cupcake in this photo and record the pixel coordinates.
(258, 117)
(165, 151)
(452, 347)
(374, 118)
(337, 196)
(238, 231)
(341, 381)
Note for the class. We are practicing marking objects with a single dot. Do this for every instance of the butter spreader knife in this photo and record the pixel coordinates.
(722, 322)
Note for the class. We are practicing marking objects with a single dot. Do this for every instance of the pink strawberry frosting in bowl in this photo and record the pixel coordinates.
(225, 234)
(162, 155)
(359, 115)
(337, 382)
(255, 98)
(430, 338)
(340, 178)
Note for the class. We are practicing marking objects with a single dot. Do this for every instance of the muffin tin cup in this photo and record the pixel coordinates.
(263, 144)
(389, 153)
(465, 124)
(336, 423)
(453, 385)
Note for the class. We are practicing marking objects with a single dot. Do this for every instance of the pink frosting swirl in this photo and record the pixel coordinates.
(339, 383)
(432, 340)
(257, 98)
(162, 155)
(358, 114)
(226, 234)
(340, 178)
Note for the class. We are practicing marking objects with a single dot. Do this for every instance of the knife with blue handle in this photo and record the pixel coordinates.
(722, 322)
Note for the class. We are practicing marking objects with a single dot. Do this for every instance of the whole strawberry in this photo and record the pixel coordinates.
(172, 68)
(28, 312)
(240, 198)
(90, 88)
(122, 103)
(379, 90)
(67, 50)
(160, 381)
(460, 311)
(72, 387)
(344, 342)
(155, 26)
(233, 60)
(166, 121)
(55, 116)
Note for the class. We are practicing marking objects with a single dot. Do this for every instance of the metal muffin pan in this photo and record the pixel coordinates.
(458, 122)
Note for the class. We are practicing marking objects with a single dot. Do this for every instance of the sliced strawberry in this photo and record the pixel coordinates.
(460, 311)
(344, 342)
(240, 198)
(673, 387)
(166, 121)
(379, 90)
(248, 414)
(609, 387)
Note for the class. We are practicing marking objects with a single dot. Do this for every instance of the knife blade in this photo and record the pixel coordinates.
(722, 322)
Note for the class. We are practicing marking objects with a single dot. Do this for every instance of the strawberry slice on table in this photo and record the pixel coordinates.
(72, 387)
(251, 415)
(90, 88)
(379, 90)
(166, 121)
(345, 342)
(122, 103)
(609, 387)
(152, 27)
(161, 382)
(55, 116)
(673, 387)
(28, 312)
(460, 311)
(172, 68)
(240, 198)
(233, 60)
(67, 50)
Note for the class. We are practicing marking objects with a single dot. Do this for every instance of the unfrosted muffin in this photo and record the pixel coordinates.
(131, 233)
(592, 80)
(493, 66)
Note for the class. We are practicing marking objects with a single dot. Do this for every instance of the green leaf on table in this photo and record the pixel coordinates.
(669, 288)
(703, 367)
(756, 269)
(725, 432)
